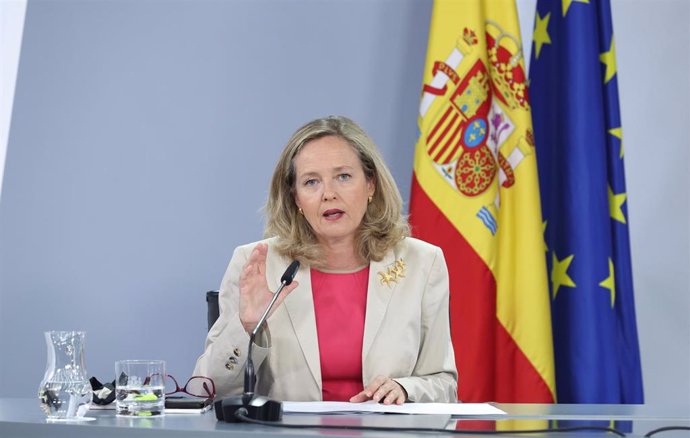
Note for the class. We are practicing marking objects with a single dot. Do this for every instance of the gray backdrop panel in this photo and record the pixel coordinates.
(144, 135)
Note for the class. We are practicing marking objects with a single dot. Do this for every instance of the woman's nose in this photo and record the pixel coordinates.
(328, 192)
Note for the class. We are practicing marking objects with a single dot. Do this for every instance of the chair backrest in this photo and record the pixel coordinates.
(212, 307)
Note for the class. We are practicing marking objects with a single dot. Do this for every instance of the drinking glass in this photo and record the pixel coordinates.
(140, 388)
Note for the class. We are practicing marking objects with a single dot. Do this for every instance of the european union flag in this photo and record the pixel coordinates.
(579, 148)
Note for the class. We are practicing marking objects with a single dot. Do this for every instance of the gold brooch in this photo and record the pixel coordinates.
(393, 273)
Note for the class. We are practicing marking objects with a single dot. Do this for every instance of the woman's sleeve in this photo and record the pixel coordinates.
(434, 378)
(226, 344)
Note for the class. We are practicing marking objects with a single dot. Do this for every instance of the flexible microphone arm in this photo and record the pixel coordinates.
(249, 373)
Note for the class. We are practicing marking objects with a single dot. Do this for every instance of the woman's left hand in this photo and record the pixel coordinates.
(382, 389)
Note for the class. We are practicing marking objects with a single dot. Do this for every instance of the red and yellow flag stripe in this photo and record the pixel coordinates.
(475, 194)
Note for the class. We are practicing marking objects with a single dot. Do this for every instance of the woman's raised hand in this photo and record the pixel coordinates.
(254, 291)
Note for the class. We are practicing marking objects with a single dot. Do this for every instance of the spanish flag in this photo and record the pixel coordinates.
(475, 194)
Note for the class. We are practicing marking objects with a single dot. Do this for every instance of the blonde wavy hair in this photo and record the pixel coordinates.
(383, 224)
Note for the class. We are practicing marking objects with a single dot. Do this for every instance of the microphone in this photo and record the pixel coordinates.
(249, 374)
(255, 407)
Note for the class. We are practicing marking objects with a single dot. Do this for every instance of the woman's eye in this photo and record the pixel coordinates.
(344, 176)
(310, 182)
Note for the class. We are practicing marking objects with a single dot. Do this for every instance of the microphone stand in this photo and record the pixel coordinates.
(254, 406)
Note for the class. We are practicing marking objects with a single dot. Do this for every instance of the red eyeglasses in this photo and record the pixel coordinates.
(196, 386)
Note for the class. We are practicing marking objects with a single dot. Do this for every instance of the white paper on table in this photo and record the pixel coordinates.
(455, 409)
(188, 410)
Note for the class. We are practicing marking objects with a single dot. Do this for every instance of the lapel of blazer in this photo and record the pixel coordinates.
(378, 297)
(300, 308)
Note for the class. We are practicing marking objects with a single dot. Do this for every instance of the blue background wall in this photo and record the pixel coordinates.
(144, 134)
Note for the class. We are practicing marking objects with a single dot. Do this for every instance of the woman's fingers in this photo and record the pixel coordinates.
(388, 388)
(382, 389)
(254, 271)
(261, 251)
(257, 259)
(395, 396)
(255, 294)
(359, 398)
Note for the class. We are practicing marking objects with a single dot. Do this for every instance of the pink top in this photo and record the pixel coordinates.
(340, 301)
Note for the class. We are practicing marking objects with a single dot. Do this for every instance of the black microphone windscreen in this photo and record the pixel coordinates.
(290, 272)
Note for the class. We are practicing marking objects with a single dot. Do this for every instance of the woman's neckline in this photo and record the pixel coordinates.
(342, 271)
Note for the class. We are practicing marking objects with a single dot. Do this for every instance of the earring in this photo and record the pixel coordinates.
(300, 211)
(370, 198)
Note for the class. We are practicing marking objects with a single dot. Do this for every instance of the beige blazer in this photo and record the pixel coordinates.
(406, 330)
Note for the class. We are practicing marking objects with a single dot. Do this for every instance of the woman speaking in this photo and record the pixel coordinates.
(366, 317)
